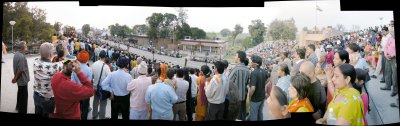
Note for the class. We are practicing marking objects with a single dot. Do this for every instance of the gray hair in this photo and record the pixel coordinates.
(46, 49)
(19, 45)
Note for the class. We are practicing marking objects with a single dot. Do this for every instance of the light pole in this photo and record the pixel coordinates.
(12, 35)
(174, 23)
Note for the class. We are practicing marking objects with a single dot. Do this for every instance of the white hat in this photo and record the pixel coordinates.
(329, 46)
(142, 68)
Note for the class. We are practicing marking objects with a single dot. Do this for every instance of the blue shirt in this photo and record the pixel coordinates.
(161, 97)
(86, 71)
(373, 39)
(117, 82)
(284, 83)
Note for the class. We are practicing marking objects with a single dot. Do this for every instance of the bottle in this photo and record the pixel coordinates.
(331, 120)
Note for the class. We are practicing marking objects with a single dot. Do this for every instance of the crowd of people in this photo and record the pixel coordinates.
(326, 79)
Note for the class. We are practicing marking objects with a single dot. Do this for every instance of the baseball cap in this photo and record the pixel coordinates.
(69, 58)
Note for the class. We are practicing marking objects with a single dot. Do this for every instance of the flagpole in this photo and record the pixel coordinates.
(316, 15)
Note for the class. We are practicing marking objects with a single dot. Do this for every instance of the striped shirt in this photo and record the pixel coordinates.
(240, 75)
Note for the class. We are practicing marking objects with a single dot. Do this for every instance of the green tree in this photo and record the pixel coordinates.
(225, 32)
(68, 29)
(182, 31)
(57, 26)
(167, 26)
(283, 29)
(140, 29)
(85, 29)
(238, 30)
(182, 15)
(197, 33)
(154, 22)
(257, 30)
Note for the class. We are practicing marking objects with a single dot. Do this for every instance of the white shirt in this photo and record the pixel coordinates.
(96, 69)
(338, 42)
(182, 87)
(215, 92)
(194, 85)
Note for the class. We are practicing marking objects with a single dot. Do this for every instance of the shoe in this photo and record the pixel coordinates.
(385, 88)
(394, 105)
(373, 76)
(393, 94)
(382, 81)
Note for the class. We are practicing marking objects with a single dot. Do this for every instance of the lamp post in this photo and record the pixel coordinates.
(12, 35)
(174, 24)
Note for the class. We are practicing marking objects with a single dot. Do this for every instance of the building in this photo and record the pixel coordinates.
(211, 46)
(312, 36)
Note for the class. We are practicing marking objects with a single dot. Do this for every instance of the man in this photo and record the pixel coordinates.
(4, 51)
(68, 94)
(299, 58)
(161, 98)
(44, 70)
(317, 95)
(215, 93)
(391, 64)
(311, 54)
(134, 72)
(182, 87)
(116, 83)
(193, 91)
(330, 55)
(100, 72)
(257, 85)
(21, 76)
(138, 88)
(83, 58)
(225, 75)
(239, 76)
(385, 38)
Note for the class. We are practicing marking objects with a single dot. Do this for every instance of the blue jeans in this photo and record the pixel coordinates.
(40, 108)
(256, 110)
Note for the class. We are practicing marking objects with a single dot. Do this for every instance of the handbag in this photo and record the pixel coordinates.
(103, 94)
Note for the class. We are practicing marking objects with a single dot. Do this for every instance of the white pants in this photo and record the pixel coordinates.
(378, 66)
(138, 115)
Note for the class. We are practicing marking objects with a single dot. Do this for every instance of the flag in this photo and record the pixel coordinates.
(318, 8)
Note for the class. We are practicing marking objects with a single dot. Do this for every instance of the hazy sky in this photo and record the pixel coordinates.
(214, 19)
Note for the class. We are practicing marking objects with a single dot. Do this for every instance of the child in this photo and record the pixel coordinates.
(360, 86)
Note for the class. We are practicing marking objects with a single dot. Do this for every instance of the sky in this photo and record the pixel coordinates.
(215, 19)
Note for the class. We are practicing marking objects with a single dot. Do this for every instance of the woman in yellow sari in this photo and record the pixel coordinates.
(346, 108)
(201, 107)
(298, 92)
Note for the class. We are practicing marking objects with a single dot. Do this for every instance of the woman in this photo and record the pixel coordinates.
(361, 80)
(60, 54)
(201, 107)
(354, 56)
(346, 108)
(284, 78)
(341, 57)
(278, 104)
(298, 92)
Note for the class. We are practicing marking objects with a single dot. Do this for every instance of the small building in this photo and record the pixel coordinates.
(213, 46)
(314, 36)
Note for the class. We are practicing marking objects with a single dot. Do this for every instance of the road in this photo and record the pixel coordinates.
(167, 59)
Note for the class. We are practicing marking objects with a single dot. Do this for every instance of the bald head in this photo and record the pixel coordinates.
(308, 68)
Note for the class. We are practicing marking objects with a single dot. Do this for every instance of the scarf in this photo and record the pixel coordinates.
(301, 103)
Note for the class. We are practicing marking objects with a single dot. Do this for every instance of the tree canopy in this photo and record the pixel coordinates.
(282, 29)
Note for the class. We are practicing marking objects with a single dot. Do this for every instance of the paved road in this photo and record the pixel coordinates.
(167, 59)
(381, 112)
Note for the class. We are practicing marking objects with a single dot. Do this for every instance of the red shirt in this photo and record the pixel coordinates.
(329, 57)
(68, 94)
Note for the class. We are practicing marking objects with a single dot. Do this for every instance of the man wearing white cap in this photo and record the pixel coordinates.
(138, 88)
(329, 57)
